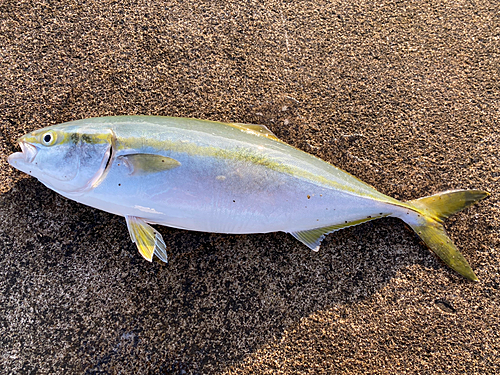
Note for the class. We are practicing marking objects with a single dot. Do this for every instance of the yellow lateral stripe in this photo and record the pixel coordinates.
(192, 149)
(209, 151)
(64, 137)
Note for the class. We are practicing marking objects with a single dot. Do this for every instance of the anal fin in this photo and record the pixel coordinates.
(312, 238)
(148, 240)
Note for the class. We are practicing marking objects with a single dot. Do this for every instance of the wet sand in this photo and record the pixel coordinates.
(404, 95)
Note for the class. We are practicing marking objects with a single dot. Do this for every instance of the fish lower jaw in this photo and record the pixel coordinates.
(15, 158)
(18, 161)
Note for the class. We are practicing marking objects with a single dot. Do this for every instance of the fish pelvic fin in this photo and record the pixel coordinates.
(427, 223)
(312, 238)
(148, 240)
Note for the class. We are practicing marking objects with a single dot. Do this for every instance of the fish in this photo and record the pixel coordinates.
(219, 177)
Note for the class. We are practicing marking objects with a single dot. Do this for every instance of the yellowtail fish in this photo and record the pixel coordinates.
(216, 177)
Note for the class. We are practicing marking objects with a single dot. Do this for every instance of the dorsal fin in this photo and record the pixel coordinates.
(256, 129)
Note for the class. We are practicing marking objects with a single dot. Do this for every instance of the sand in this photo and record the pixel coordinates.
(404, 95)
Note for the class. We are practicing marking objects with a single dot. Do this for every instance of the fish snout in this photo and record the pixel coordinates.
(27, 154)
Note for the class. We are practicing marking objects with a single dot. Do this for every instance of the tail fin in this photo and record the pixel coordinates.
(434, 209)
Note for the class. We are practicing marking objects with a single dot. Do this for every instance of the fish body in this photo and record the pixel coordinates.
(217, 177)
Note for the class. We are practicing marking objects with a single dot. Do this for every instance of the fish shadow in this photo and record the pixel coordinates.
(84, 291)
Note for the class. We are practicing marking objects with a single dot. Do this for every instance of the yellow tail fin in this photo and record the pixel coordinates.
(433, 210)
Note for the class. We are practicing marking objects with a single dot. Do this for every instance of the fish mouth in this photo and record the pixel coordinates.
(27, 154)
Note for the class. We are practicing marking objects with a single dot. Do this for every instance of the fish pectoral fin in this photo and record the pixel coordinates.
(148, 240)
(141, 164)
(256, 129)
(312, 238)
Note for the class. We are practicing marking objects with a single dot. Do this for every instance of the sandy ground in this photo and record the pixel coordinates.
(404, 95)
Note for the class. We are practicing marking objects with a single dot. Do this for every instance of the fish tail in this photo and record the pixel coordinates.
(427, 223)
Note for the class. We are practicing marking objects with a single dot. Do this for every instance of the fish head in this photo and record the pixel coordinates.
(65, 158)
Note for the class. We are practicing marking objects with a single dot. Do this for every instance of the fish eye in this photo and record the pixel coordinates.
(48, 138)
